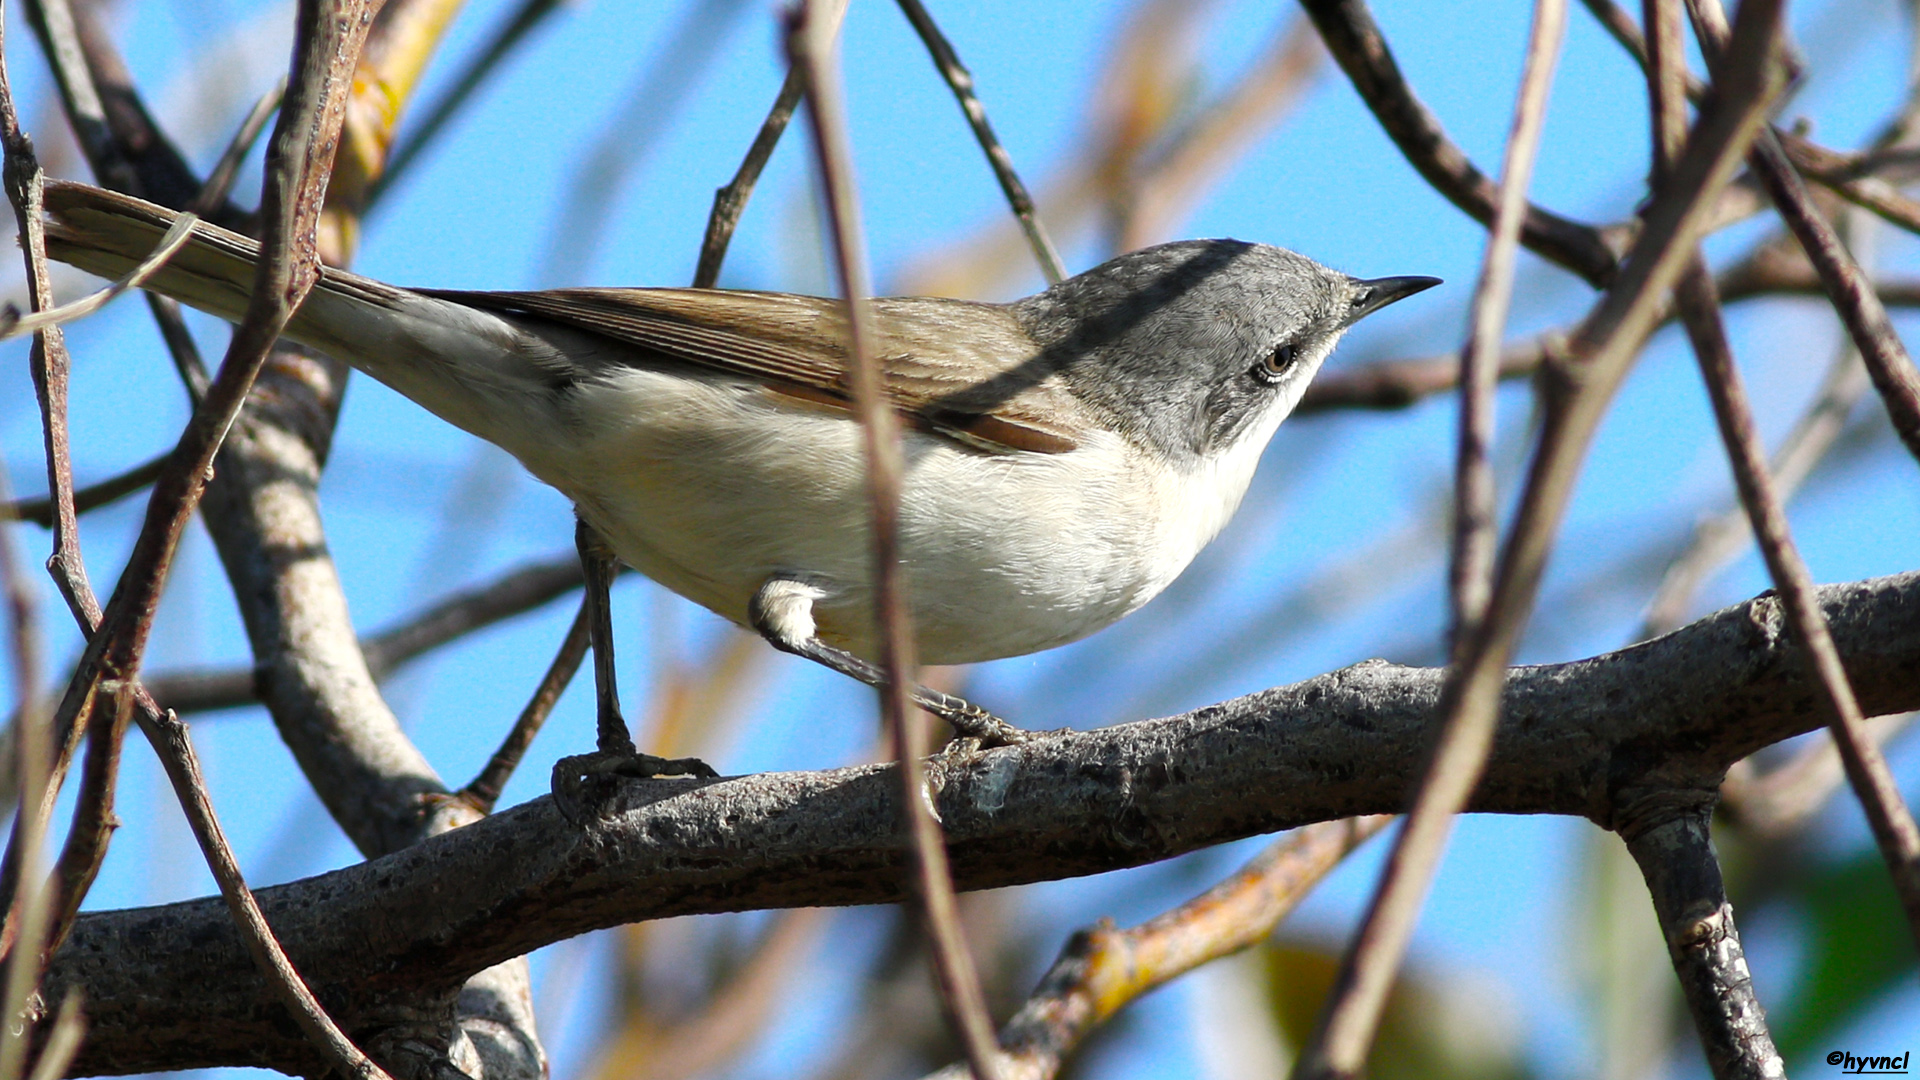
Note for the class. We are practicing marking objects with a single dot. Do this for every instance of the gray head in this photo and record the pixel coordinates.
(1190, 345)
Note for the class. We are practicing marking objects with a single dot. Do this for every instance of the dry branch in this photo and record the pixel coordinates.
(171, 987)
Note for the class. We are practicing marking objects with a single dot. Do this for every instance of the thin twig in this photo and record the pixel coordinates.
(39, 509)
(220, 180)
(1849, 289)
(1474, 530)
(299, 159)
(811, 48)
(483, 791)
(1356, 43)
(462, 613)
(28, 908)
(1780, 800)
(1853, 296)
(960, 80)
(13, 323)
(1887, 813)
(171, 741)
(1102, 969)
(26, 919)
(1893, 374)
(1352, 1014)
(63, 1039)
(731, 201)
(1719, 538)
(1600, 356)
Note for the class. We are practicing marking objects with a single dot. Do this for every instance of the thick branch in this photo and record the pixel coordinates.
(1588, 738)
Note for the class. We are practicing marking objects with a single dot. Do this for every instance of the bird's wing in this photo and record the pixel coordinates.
(965, 370)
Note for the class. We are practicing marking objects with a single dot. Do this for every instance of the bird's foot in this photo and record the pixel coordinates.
(573, 775)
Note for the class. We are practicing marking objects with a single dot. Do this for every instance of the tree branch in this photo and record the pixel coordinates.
(171, 987)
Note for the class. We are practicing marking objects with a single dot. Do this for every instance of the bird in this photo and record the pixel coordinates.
(1066, 455)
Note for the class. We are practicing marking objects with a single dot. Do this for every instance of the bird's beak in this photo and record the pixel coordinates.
(1373, 295)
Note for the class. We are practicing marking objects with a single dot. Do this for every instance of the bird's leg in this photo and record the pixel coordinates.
(782, 612)
(616, 753)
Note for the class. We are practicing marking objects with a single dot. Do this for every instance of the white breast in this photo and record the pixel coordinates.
(712, 487)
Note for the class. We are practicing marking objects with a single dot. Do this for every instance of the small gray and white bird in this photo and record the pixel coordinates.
(1066, 454)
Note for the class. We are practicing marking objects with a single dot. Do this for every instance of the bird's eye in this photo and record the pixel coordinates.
(1275, 364)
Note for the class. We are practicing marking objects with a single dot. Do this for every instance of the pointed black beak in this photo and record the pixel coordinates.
(1379, 292)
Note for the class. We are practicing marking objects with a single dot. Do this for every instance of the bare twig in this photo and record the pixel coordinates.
(731, 201)
(1852, 294)
(170, 740)
(1893, 825)
(26, 919)
(1357, 45)
(961, 81)
(213, 193)
(513, 593)
(1893, 373)
(1849, 289)
(1719, 538)
(63, 1040)
(811, 47)
(1474, 529)
(1676, 857)
(298, 164)
(484, 789)
(1778, 801)
(1101, 969)
(27, 935)
(39, 509)
(1352, 1014)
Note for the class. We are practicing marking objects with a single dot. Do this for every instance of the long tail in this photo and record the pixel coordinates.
(478, 370)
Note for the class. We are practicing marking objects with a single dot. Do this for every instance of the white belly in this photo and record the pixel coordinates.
(713, 488)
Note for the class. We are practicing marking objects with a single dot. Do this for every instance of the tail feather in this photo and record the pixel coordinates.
(479, 370)
(107, 233)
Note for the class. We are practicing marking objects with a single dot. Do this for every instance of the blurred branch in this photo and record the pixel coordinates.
(812, 50)
(1101, 969)
(1721, 537)
(629, 135)
(1357, 45)
(1141, 159)
(1592, 738)
(1351, 1016)
(960, 80)
(26, 926)
(720, 1029)
(1893, 374)
(1780, 800)
(514, 593)
(1173, 180)
(524, 20)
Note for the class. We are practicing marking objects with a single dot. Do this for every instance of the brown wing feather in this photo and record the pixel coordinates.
(950, 366)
